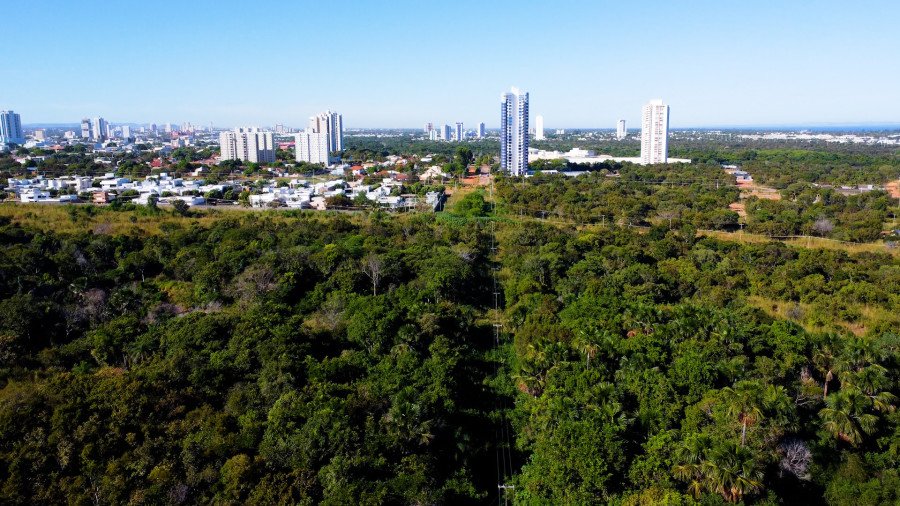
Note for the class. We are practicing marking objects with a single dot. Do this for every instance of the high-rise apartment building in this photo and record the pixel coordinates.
(460, 133)
(445, 133)
(514, 131)
(481, 130)
(620, 130)
(10, 129)
(311, 147)
(96, 129)
(126, 132)
(538, 128)
(655, 132)
(428, 128)
(247, 144)
(433, 135)
(332, 125)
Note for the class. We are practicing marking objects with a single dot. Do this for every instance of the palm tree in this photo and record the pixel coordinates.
(872, 381)
(845, 416)
(732, 472)
(743, 403)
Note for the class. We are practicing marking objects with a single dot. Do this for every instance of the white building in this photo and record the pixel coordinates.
(538, 128)
(126, 132)
(10, 129)
(654, 132)
(332, 125)
(445, 133)
(621, 132)
(247, 144)
(459, 132)
(481, 130)
(514, 131)
(99, 129)
(434, 135)
(312, 147)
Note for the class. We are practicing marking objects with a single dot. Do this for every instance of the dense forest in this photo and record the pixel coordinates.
(150, 357)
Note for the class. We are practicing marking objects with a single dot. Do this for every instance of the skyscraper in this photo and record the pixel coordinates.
(86, 128)
(514, 131)
(332, 125)
(247, 144)
(99, 130)
(459, 132)
(621, 132)
(10, 129)
(311, 147)
(428, 128)
(538, 128)
(655, 132)
(481, 130)
(126, 132)
(445, 133)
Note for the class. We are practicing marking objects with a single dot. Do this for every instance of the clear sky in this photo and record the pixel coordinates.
(401, 63)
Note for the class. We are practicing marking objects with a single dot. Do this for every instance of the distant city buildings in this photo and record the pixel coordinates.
(620, 130)
(10, 129)
(538, 128)
(460, 133)
(445, 133)
(434, 135)
(654, 132)
(514, 132)
(428, 128)
(247, 144)
(481, 130)
(126, 132)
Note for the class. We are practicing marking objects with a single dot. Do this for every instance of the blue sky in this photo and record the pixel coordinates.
(401, 63)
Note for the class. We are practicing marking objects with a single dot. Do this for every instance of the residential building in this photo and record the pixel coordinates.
(86, 128)
(332, 125)
(481, 130)
(620, 130)
(312, 147)
(460, 134)
(98, 131)
(654, 132)
(433, 135)
(428, 128)
(10, 129)
(514, 132)
(126, 132)
(539, 128)
(445, 133)
(247, 144)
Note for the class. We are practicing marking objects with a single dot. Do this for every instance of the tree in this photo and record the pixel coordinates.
(845, 416)
(373, 267)
(180, 207)
(731, 471)
(743, 402)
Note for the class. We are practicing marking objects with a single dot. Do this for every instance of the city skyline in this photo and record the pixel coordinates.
(724, 65)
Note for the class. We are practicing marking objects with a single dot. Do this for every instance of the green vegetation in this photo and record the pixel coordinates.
(298, 357)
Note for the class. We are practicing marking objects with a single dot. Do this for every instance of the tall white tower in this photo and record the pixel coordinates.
(332, 125)
(655, 132)
(10, 129)
(539, 128)
(459, 132)
(621, 132)
(514, 131)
